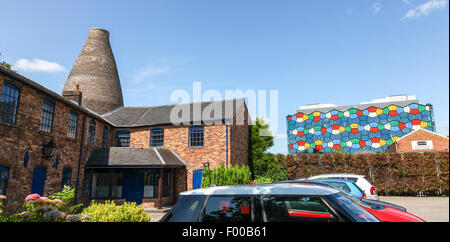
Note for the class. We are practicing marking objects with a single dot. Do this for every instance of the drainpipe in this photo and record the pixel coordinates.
(79, 160)
(226, 150)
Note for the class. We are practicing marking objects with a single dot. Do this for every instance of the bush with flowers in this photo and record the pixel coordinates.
(2, 209)
(57, 208)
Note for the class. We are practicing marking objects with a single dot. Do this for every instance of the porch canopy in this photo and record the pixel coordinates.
(126, 157)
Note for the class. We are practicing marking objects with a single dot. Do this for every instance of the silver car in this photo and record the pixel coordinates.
(360, 181)
(267, 203)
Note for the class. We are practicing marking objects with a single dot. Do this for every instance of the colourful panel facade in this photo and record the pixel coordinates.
(352, 130)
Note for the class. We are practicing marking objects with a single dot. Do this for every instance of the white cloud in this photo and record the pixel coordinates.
(425, 9)
(350, 11)
(407, 2)
(376, 7)
(37, 65)
(148, 72)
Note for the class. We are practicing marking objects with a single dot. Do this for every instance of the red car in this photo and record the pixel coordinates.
(383, 213)
(390, 214)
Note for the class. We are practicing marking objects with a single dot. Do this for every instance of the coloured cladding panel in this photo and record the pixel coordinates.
(352, 130)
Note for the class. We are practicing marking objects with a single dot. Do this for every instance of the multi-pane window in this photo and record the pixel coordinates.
(123, 138)
(91, 132)
(4, 177)
(86, 183)
(166, 183)
(9, 103)
(156, 137)
(72, 127)
(48, 108)
(150, 184)
(106, 185)
(67, 174)
(105, 137)
(196, 136)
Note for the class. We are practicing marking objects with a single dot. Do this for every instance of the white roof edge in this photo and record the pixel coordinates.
(419, 130)
(159, 156)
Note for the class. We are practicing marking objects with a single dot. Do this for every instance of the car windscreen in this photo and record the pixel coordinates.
(187, 209)
(350, 208)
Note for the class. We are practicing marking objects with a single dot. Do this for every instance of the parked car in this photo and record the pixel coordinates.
(384, 211)
(267, 203)
(368, 201)
(346, 185)
(360, 181)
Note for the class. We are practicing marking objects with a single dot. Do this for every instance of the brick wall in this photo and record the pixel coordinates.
(405, 144)
(176, 138)
(213, 151)
(24, 136)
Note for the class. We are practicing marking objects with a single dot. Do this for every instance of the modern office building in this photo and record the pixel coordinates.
(371, 126)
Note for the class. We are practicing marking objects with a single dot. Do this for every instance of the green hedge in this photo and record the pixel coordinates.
(392, 174)
(221, 176)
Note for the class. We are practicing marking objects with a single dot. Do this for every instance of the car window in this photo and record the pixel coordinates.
(349, 208)
(341, 185)
(228, 209)
(297, 209)
(353, 179)
(357, 187)
(187, 209)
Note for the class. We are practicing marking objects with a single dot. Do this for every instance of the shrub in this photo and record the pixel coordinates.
(43, 209)
(221, 176)
(64, 198)
(110, 212)
(261, 180)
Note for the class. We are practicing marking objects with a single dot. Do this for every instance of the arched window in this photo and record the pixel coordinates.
(91, 132)
(105, 137)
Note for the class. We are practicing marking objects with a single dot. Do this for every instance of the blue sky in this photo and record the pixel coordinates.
(342, 52)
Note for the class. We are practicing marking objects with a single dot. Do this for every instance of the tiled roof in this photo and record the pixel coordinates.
(157, 115)
(48, 92)
(133, 157)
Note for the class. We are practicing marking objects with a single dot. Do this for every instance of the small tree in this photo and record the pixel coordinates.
(4, 63)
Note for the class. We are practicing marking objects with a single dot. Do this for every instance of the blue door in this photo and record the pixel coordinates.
(133, 187)
(37, 186)
(197, 179)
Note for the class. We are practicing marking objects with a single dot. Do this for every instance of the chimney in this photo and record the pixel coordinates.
(95, 72)
(74, 95)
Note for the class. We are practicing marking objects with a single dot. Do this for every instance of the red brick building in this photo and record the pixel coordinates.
(420, 140)
(87, 139)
